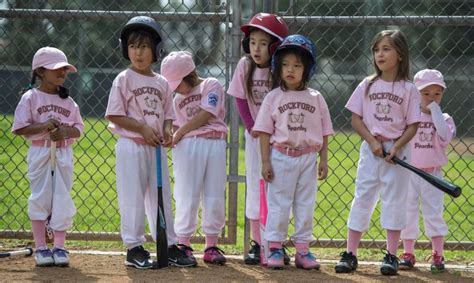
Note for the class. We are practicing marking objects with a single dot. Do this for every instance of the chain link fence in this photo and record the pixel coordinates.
(440, 33)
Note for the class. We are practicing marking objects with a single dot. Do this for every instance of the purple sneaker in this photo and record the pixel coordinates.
(60, 257)
(214, 255)
(306, 261)
(276, 259)
(44, 257)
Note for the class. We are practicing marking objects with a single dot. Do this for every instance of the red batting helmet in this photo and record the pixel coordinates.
(272, 24)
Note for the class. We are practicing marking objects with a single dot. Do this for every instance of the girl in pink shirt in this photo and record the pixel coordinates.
(51, 120)
(249, 85)
(428, 152)
(199, 157)
(385, 113)
(140, 112)
(294, 125)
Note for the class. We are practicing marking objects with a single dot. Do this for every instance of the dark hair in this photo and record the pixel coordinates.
(253, 66)
(141, 37)
(304, 58)
(398, 41)
(62, 91)
(192, 79)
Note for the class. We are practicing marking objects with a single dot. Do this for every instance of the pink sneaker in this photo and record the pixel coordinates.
(214, 255)
(275, 260)
(306, 261)
(407, 261)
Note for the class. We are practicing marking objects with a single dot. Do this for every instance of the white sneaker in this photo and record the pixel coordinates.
(60, 257)
(44, 257)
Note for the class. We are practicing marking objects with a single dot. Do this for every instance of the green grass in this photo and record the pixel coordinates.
(95, 196)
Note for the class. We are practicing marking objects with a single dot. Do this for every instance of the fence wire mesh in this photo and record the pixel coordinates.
(440, 33)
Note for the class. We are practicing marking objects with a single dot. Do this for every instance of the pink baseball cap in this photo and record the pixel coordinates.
(52, 59)
(176, 66)
(428, 77)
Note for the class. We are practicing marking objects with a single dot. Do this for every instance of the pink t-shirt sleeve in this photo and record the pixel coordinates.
(326, 123)
(116, 105)
(264, 122)
(212, 99)
(23, 117)
(413, 112)
(168, 103)
(237, 84)
(355, 102)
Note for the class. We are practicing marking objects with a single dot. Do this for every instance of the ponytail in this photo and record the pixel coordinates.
(30, 85)
(63, 92)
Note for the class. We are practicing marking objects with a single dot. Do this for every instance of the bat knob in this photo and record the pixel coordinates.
(457, 192)
(30, 251)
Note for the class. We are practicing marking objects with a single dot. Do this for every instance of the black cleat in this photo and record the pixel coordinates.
(253, 257)
(181, 256)
(348, 263)
(389, 264)
(139, 258)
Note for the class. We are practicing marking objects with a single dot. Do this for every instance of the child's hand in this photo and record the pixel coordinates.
(267, 172)
(322, 170)
(51, 124)
(254, 134)
(177, 136)
(391, 153)
(167, 138)
(58, 133)
(376, 148)
(150, 135)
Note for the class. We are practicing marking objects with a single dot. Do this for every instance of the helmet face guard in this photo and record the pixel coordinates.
(270, 23)
(300, 42)
(142, 23)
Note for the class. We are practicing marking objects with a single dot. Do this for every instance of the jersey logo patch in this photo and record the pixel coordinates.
(212, 99)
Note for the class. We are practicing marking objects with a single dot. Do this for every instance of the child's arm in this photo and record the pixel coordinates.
(37, 128)
(267, 170)
(438, 121)
(362, 130)
(196, 122)
(64, 132)
(407, 135)
(148, 133)
(244, 113)
(167, 133)
(323, 160)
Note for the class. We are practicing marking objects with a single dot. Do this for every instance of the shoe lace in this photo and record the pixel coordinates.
(254, 247)
(184, 248)
(276, 252)
(437, 259)
(390, 258)
(346, 256)
(309, 255)
(407, 256)
(60, 252)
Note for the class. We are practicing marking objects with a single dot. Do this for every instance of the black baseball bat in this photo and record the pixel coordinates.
(439, 183)
(161, 238)
(25, 252)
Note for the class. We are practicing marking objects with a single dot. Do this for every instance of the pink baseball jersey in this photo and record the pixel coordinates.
(36, 106)
(261, 85)
(296, 119)
(427, 148)
(145, 99)
(207, 96)
(387, 108)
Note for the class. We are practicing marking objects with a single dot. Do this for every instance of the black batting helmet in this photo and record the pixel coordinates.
(142, 23)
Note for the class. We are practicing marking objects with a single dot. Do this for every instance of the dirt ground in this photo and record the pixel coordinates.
(107, 268)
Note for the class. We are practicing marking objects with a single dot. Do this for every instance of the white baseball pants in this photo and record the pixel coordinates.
(294, 184)
(199, 167)
(253, 175)
(137, 191)
(376, 177)
(431, 207)
(43, 201)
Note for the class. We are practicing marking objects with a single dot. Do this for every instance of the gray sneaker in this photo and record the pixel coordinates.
(44, 257)
(60, 257)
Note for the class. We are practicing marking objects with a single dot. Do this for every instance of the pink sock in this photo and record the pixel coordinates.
(393, 236)
(275, 245)
(302, 248)
(255, 227)
(59, 239)
(211, 241)
(353, 240)
(409, 246)
(39, 230)
(185, 241)
(437, 244)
